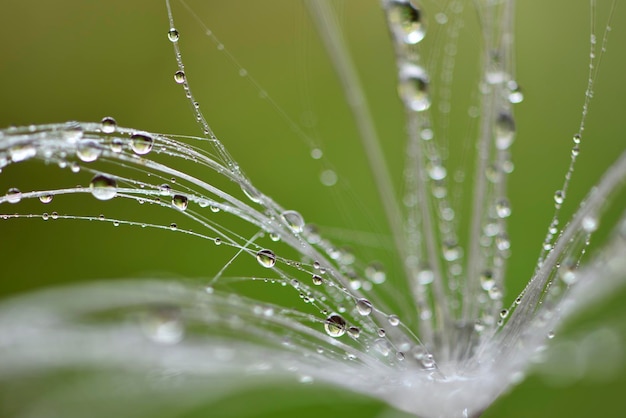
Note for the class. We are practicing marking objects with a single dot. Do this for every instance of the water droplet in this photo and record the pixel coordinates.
(294, 220)
(425, 277)
(328, 178)
(22, 152)
(179, 77)
(406, 21)
(576, 139)
(214, 209)
(428, 361)
(354, 332)
(567, 271)
(252, 194)
(54, 215)
(164, 325)
(173, 35)
(413, 87)
(88, 150)
(375, 272)
(335, 326)
(515, 92)
(589, 223)
(46, 198)
(504, 130)
(495, 293)
(559, 197)
(14, 195)
(108, 125)
(364, 307)
(141, 144)
(381, 332)
(503, 208)
(180, 202)
(317, 280)
(486, 280)
(437, 171)
(217, 241)
(451, 251)
(103, 187)
(117, 145)
(45, 216)
(173, 226)
(266, 258)
(394, 321)
(504, 313)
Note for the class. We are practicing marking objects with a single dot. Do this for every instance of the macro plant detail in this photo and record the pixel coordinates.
(429, 331)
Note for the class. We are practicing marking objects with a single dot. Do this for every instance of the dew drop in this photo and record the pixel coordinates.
(354, 332)
(567, 271)
(317, 280)
(515, 92)
(589, 223)
(14, 195)
(173, 226)
(576, 139)
(394, 321)
(375, 272)
(103, 187)
(328, 178)
(22, 152)
(108, 125)
(381, 332)
(179, 77)
(413, 87)
(503, 208)
(335, 326)
(164, 325)
(141, 144)
(88, 151)
(46, 198)
(559, 197)
(406, 20)
(504, 130)
(180, 202)
(117, 145)
(173, 35)
(294, 220)
(504, 313)
(266, 258)
(364, 307)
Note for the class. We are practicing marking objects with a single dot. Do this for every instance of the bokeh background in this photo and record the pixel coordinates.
(76, 60)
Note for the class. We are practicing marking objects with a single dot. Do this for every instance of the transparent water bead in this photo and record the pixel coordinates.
(266, 258)
(179, 77)
(317, 280)
(88, 151)
(180, 202)
(375, 272)
(407, 20)
(567, 271)
(14, 195)
(589, 223)
(504, 131)
(103, 187)
(22, 152)
(413, 87)
(294, 220)
(335, 325)
(503, 208)
(559, 197)
(141, 144)
(108, 125)
(46, 198)
(173, 35)
(364, 307)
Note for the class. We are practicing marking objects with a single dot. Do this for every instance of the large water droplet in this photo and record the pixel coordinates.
(294, 220)
(335, 325)
(364, 307)
(173, 35)
(317, 279)
(88, 151)
(108, 125)
(179, 77)
(14, 195)
(103, 187)
(180, 202)
(406, 20)
(141, 144)
(413, 87)
(266, 258)
(46, 198)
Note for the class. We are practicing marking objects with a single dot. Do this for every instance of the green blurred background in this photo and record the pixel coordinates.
(82, 60)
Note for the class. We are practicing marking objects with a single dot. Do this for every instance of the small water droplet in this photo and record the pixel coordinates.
(141, 144)
(294, 220)
(179, 77)
(381, 332)
(45, 216)
(413, 87)
(46, 198)
(117, 145)
(103, 187)
(354, 332)
(504, 131)
(394, 321)
(589, 223)
(503, 208)
(217, 241)
(559, 197)
(406, 21)
(567, 271)
(173, 226)
(317, 280)
(164, 325)
(14, 195)
(266, 258)
(173, 35)
(364, 307)
(375, 272)
(576, 139)
(22, 152)
(180, 202)
(335, 326)
(504, 313)
(515, 92)
(108, 125)
(328, 178)
(88, 150)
